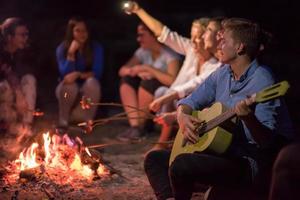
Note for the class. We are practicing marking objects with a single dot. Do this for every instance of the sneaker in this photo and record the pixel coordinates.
(124, 136)
(131, 134)
(135, 134)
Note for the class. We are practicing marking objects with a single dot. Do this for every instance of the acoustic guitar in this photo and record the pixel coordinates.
(212, 137)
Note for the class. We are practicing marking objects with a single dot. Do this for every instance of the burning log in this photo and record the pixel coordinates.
(31, 173)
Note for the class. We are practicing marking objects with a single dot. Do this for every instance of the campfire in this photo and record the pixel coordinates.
(59, 160)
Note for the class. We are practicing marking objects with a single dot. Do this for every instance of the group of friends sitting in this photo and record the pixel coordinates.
(220, 65)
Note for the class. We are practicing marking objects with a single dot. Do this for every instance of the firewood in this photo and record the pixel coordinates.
(31, 174)
(92, 160)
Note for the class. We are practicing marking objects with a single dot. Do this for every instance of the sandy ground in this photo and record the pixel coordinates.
(127, 159)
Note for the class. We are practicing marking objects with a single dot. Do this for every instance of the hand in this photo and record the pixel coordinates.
(166, 119)
(242, 108)
(131, 7)
(188, 125)
(129, 71)
(124, 71)
(145, 75)
(135, 70)
(86, 75)
(71, 77)
(155, 105)
(75, 45)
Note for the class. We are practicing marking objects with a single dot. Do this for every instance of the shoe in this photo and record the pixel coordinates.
(135, 134)
(124, 136)
(131, 134)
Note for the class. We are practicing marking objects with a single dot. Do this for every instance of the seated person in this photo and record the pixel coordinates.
(80, 63)
(205, 48)
(151, 66)
(260, 130)
(17, 83)
(198, 64)
(286, 174)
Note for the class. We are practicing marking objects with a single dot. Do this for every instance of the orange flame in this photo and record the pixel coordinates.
(55, 157)
(76, 165)
(27, 158)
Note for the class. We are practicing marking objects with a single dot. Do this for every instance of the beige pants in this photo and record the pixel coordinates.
(69, 96)
(8, 110)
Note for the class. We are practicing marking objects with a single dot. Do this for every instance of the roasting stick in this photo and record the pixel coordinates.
(48, 193)
(103, 145)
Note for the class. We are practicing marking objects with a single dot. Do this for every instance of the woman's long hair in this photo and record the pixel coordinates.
(87, 50)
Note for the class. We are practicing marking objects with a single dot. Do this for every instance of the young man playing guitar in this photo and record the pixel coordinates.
(260, 130)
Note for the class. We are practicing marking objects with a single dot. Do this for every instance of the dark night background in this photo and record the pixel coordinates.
(116, 32)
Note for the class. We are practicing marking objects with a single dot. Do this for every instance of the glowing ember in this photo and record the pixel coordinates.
(38, 113)
(102, 170)
(87, 126)
(76, 165)
(86, 103)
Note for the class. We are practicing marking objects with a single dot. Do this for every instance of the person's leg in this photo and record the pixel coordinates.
(166, 129)
(156, 166)
(286, 174)
(128, 93)
(146, 96)
(144, 100)
(90, 89)
(188, 169)
(7, 107)
(165, 134)
(66, 95)
(28, 87)
(129, 99)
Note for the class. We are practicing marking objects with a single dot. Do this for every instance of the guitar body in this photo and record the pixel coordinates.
(216, 140)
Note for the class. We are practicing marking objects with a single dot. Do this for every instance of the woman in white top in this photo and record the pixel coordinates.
(199, 63)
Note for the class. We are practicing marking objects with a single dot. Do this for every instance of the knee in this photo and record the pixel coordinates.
(178, 167)
(91, 84)
(151, 159)
(65, 90)
(161, 91)
(92, 81)
(286, 159)
(28, 79)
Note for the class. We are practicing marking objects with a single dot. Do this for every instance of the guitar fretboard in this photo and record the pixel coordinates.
(216, 121)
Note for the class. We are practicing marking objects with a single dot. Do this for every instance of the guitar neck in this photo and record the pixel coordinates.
(217, 121)
(266, 94)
